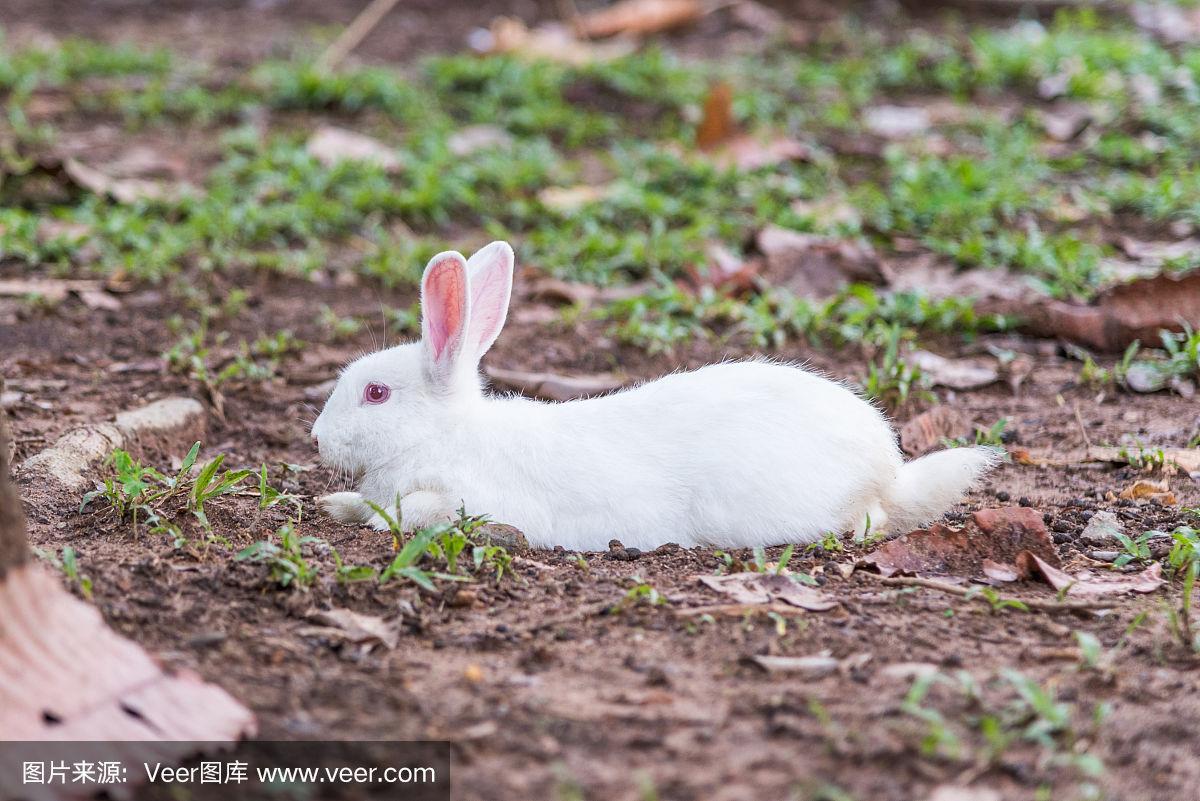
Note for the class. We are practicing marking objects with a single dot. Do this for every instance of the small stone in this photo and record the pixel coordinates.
(1003, 496)
(1104, 556)
(1024, 501)
(510, 537)
(1061, 538)
(1102, 529)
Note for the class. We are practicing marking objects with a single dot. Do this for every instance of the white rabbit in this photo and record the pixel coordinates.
(731, 455)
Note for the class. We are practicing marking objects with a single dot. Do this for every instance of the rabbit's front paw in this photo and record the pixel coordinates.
(346, 507)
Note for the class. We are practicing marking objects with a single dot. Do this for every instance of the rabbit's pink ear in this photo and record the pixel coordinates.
(491, 271)
(445, 310)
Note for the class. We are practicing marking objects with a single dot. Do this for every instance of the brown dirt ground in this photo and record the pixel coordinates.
(536, 687)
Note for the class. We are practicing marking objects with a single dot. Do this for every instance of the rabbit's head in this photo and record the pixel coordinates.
(385, 401)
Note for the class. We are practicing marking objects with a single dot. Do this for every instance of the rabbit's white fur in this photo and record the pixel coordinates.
(731, 455)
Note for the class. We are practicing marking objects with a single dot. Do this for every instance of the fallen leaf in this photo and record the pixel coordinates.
(960, 374)
(927, 430)
(126, 695)
(722, 145)
(123, 190)
(809, 667)
(748, 152)
(1171, 23)
(998, 571)
(1144, 489)
(1085, 585)
(331, 145)
(1065, 122)
(725, 271)
(640, 17)
(56, 290)
(1121, 314)
(828, 211)
(1157, 252)
(474, 138)
(1186, 459)
(896, 122)
(548, 42)
(758, 17)
(552, 386)
(548, 289)
(957, 792)
(359, 628)
(816, 266)
(716, 122)
(939, 279)
(568, 199)
(997, 535)
(763, 588)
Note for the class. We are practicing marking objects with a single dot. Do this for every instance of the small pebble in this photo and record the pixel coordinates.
(1003, 496)
(1024, 501)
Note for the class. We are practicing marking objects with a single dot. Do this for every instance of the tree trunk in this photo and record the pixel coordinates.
(14, 549)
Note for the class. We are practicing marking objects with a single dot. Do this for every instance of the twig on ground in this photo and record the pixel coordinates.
(965, 592)
(739, 609)
(354, 33)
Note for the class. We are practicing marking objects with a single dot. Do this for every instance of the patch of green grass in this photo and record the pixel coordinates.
(67, 562)
(991, 719)
(641, 593)
(433, 553)
(163, 502)
(285, 559)
(992, 435)
(670, 315)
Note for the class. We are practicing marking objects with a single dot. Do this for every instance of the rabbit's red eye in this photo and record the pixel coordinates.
(376, 393)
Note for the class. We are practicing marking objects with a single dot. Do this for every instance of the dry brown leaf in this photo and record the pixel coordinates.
(763, 588)
(70, 677)
(725, 271)
(549, 42)
(998, 571)
(1157, 252)
(1086, 585)
(896, 122)
(1118, 316)
(359, 628)
(1144, 489)
(123, 190)
(56, 290)
(640, 17)
(1065, 122)
(474, 138)
(926, 431)
(554, 387)
(716, 123)
(748, 152)
(939, 279)
(718, 139)
(1175, 24)
(332, 145)
(548, 289)
(568, 199)
(960, 374)
(996, 535)
(1186, 459)
(816, 266)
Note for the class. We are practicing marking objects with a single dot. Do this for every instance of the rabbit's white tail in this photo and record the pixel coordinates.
(925, 488)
